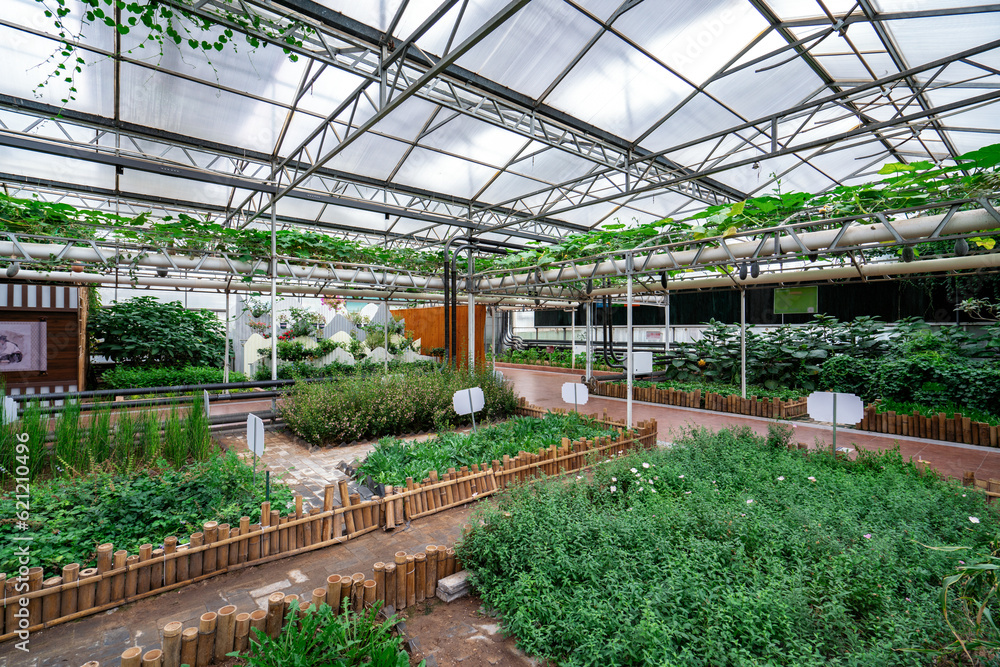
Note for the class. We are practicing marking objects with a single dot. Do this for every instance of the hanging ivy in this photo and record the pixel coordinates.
(157, 24)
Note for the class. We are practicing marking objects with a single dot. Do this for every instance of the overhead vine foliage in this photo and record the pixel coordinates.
(156, 24)
(976, 176)
(903, 185)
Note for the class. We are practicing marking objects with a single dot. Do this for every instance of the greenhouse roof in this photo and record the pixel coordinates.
(410, 122)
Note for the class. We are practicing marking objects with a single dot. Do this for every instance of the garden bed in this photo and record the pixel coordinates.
(774, 408)
(729, 549)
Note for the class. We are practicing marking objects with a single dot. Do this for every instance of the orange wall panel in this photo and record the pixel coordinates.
(427, 324)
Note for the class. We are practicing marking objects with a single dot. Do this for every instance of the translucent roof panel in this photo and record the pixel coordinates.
(699, 117)
(618, 88)
(442, 173)
(695, 39)
(756, 91)
(522, 55)
(475, 140)
(51, 167)
(951, 34)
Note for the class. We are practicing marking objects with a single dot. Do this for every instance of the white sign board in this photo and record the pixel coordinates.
(9, 410)
(850, 408)
(642, 362)
(468, 401)
(498, 375)
(579, 349)
(255, 435)
(575, 393)
(208, 403)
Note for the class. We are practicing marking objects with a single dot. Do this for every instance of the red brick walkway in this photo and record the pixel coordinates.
(543, 388)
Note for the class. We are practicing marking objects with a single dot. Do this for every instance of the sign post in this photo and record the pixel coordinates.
(823, 406)
(575, 393)
(469, 402)
(255, 440)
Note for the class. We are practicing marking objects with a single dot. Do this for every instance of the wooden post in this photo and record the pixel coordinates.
(379, 569)
(442, 552)
(156, 570)
(253, 550)
(411, 581)
(333, 594)
(420, 577)
(400, 559)
(450, 567)
(300, 529)
(206, 639)
(318, 598)
(67, 605)
(189, 647)
(390, 585)
(172, 644)
(390, 508)
(225, 634)
(329, 494)
(244, 543)
(274, 535)
(265, 521)
(283, 536)
(242, 634)
(275, 614)
(153, 658)
(103, 565)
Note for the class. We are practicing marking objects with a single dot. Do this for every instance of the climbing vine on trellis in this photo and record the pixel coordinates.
(159, 23)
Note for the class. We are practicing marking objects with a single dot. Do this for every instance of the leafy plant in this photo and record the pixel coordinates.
(723, 550)
(320, 638)
(71, 516)
(393, 460)
(126, 377)
(147, 332)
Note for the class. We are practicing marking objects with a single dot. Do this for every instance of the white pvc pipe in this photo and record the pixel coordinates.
(969, 263)
(915, 229)
(183, 262)
(225, 356)
(629, 361)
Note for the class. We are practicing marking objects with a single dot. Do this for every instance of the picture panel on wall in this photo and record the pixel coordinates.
(22, 347)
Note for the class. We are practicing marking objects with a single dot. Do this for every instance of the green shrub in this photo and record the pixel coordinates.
(145, 331)
(353, 408)
(724, 389)
(724, 551)
(320, 638)
(932, 410)
(128, 377)
(70, 517)
(393, 460)
(851, 375)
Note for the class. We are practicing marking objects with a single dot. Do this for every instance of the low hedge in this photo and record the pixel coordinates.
(355, 408)
(126, 377)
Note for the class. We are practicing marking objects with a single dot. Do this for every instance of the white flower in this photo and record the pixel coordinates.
(680, 476)
(653, 490)
(973, 519)
(579, 476)
(613, 488)
(781, 479)
(749, 501)
(614, 479)
(687, 493)
(811, 479)
(645, 465)
(634, 470)
(963, 495)
(650, 481)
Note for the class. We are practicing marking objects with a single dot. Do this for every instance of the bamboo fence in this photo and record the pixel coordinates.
(391, 586)
(757, 407)
(120, 578)
(938, 427)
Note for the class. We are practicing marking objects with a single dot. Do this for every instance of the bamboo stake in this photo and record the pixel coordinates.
(206, 638)
(132, 657)
(333, 596)
(50, 603)
(275, 535)
(411, 581)
(390, 509)
(131, 577)
(156, 570)
(68, 604)
(169, 564)
(172, 644)
(118, 560)
(300, 529)
(450, 567)
(431, 567)
(275, 614)
(87, 598)
(390, 585)
(359, 519)
(258, 621)
(379, 570)
(253, 550)
(222, 550)
(265, 521)
(420, 579)
(369, 593)
(319, 597)
(103, 565)
(357, 591)
(400, 559)
(289, 600)
(196, 566)
(210, 529)
(283, 538)
(225, 635)
(442, 552)
(189, 647)
(244, 543)
(316, 525)
(329, 493)
(145, 554)
(242, 639)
